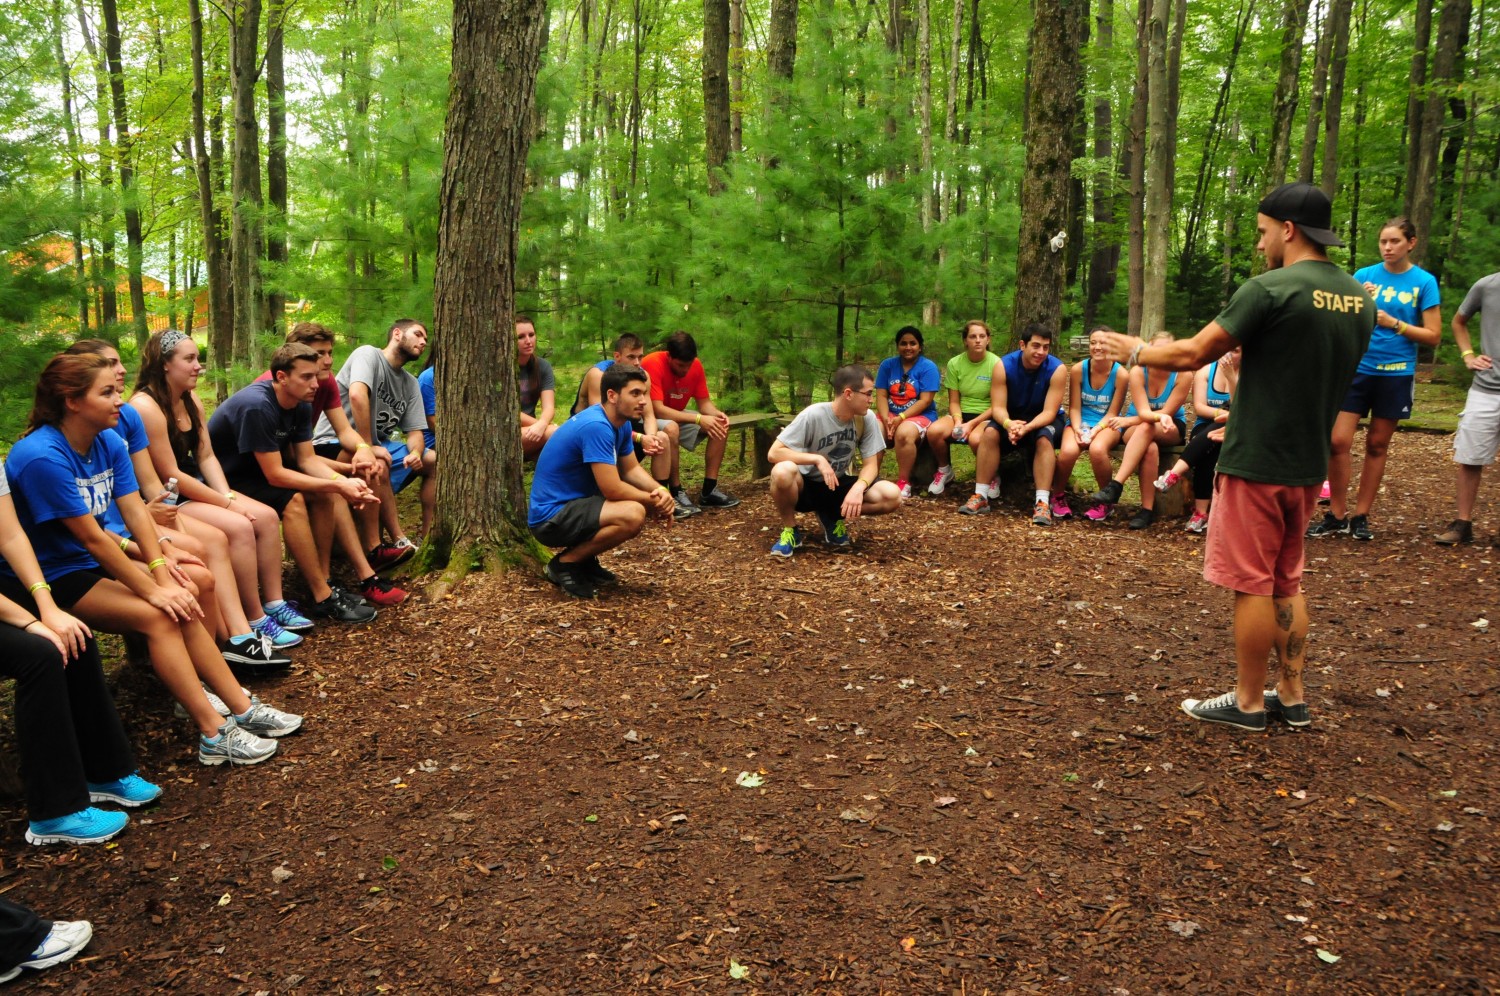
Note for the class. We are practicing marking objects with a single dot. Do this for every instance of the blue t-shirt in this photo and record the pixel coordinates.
(1026, 390)
(252, 421)
(429, 403)
(133, 430)
(563, 473)
(903, 387)
(1403, 296)
(50, 482)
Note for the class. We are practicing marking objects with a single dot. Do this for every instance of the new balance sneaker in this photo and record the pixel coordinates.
(598, 573)
(786, 544)
(1224, 709)
(570, 578)
(683, 505)
(976, 505)
(1325, 494)
(213, 700)
(1291, 715)
(1458, 531)
(132, 790)
(838, 539)
(288, 618)
(1168, 481)
(87, 826)
(1060, 507)
(281, 638)
(340, 608)
(264, 721)
(1109, 494)
(1330, 526)
(63, 941)
(940, 481)
(1041, 514)
(717, 498)
(380, 591)
(903, 490)
(1098, 512)
(1359, 527)
(388, 555)
(1143, 518)
(235, 746)
(254, 656)
(1197, 524)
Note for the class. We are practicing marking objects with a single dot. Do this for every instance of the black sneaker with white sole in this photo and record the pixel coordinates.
(717, 499)
(253, 657)
(1359, 527)
(1224, 709)
(1331, 525)
(1292, 715)
(339, 608)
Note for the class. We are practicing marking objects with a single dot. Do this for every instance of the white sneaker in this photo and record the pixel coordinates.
(994, 487)
(235, 746)
(940, 481)
(264, 721)
(213, 700)
(68, 937)
(905, 492)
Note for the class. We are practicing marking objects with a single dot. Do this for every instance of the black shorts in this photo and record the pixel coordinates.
(1051, 432)
(329, 451)
(819, 497)
(574, 523)
(265, 492)
(67, 591)
(1381, 397)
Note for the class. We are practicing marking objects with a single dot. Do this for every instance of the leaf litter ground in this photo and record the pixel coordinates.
(951, 762)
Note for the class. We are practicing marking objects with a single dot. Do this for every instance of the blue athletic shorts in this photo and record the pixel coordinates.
(1382, 397)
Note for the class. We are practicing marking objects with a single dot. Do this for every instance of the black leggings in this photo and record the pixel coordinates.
(1202, 455)
(21, 933)
(66, 724)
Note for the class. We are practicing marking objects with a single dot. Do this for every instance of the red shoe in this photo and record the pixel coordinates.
(389, 555)
(381, 592)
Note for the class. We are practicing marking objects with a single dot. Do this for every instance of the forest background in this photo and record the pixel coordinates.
(789, 181)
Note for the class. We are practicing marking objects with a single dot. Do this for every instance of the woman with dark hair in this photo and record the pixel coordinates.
(905, 385)
(167, 403)
(536, 390)
(1408, 315)
(1153, 418)
(66, 470)
(1096, 391)
(967, 379)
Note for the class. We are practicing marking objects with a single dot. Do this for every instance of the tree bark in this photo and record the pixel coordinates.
(1207, 161)
(924, 109)
(716, 90)
(1445, 62)
(244, 68)
(1056, 76)
(1284, 103)
(75, 159)
(481, 513)
(276, 164)
(1307, 160)
(736, 75)
(103, 268)
(1338, 28)
(129, 195)
(1158, 210)
(1416, 87)
(220, 312)
(1135, 165)
(1104, 261)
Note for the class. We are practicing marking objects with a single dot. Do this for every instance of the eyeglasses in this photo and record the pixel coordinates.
(869, 394)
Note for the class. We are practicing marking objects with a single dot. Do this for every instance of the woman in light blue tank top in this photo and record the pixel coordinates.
(1096, 390)
(1154, 419)
(1213, 389)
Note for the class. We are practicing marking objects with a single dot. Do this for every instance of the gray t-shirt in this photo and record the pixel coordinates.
(817, 430)
(1484, 297)
(395, 397)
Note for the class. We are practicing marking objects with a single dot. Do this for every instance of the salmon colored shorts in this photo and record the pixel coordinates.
(1255, 540)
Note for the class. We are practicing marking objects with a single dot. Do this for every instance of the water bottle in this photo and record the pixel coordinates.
(169, 496)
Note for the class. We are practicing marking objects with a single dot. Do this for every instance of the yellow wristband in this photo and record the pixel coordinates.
(231, 496)
(158, 562)
(1468, 353)
(637, 437)
(361, 446)
(663, 487)
(697, 418)
(902, 417)
(39, 586)
(1005, 423)
(124, 544)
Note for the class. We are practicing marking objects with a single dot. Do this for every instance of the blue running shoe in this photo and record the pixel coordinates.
(787, 544)
(87, 826)
(287, 617)
(838, 539)
(132, 790)
(272, 630)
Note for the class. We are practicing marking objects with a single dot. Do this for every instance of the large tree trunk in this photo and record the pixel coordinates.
(220, 313)
(1056, 76)
(75, 159)
(781, 60)
(924, 109)
(481, 503)
(128, 192)
(1284, 103)
(1135, 164)
(716, 90)
(276, 166)
(1307, 160)
(1338, 27)
(103, 269)
(736, 75)
(1416, 86)
(1104, 262)
(1158, 211)
(244, 67)
(1445, 63)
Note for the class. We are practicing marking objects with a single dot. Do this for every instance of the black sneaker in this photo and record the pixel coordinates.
(1291, 715)
(1109, 494)
(1224, 709)
(1330, 526)
(571, 578)
(683, 505)
(253, 657)
(598, 573)
(717, 499)
(1458, 531)
(339, 609)
(1359, 527)
(1143, 518)
(344, 593)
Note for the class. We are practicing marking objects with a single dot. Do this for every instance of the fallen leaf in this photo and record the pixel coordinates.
(1328, 956)
(859, 814)
(738, 971)
(943, 801)
(749, 780)
(907, 943)
(926, 859)
(224, 899)
(1187, 928)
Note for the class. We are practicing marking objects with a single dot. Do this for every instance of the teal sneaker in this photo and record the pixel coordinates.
(287, 617)
(87, 826)
(281, 638)
(132, 790)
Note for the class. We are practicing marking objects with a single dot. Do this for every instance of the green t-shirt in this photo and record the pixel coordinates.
(1304, 328)
(971, 381)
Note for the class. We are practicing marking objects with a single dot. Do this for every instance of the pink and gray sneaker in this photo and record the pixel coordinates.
(1198, 524)
(940, 481)
(1168, 481)
(1060, 509)
(1098, 512)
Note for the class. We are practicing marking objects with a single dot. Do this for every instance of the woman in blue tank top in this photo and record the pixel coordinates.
(1213, 387)
(1096, 390)
(1154, 418)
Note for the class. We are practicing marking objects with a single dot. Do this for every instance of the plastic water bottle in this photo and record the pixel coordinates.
(169, 496)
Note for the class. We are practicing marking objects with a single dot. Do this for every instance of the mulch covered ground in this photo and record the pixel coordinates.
(952, 762)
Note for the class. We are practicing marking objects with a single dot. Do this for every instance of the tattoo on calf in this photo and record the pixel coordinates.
(1284, 616)
(1295, 645)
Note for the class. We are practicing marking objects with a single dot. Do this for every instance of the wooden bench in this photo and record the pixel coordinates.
(763, 427)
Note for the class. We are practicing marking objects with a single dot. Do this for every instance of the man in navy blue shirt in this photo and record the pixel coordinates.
(589, 493)
(1026, 406)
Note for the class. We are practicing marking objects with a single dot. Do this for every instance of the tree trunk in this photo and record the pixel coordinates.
(481, 513)
(276, 165)
(1445, 62)
(1315, 98)
(781, 61)
(1416, 87)
(1056, 76)
(75, 159)
(1158, 211)
(1135, 155)
(736, 75)
(244, 68)
(924, 109)
(103, 269)
(1174, 88)
(716, 90)
(128, 193)
(220, 313)
(1284, 103)
(1104, 262)
(1338, 28)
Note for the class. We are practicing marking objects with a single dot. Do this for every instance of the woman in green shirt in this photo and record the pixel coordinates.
(967, 380)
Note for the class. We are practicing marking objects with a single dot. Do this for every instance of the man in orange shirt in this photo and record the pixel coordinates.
(677, 378)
